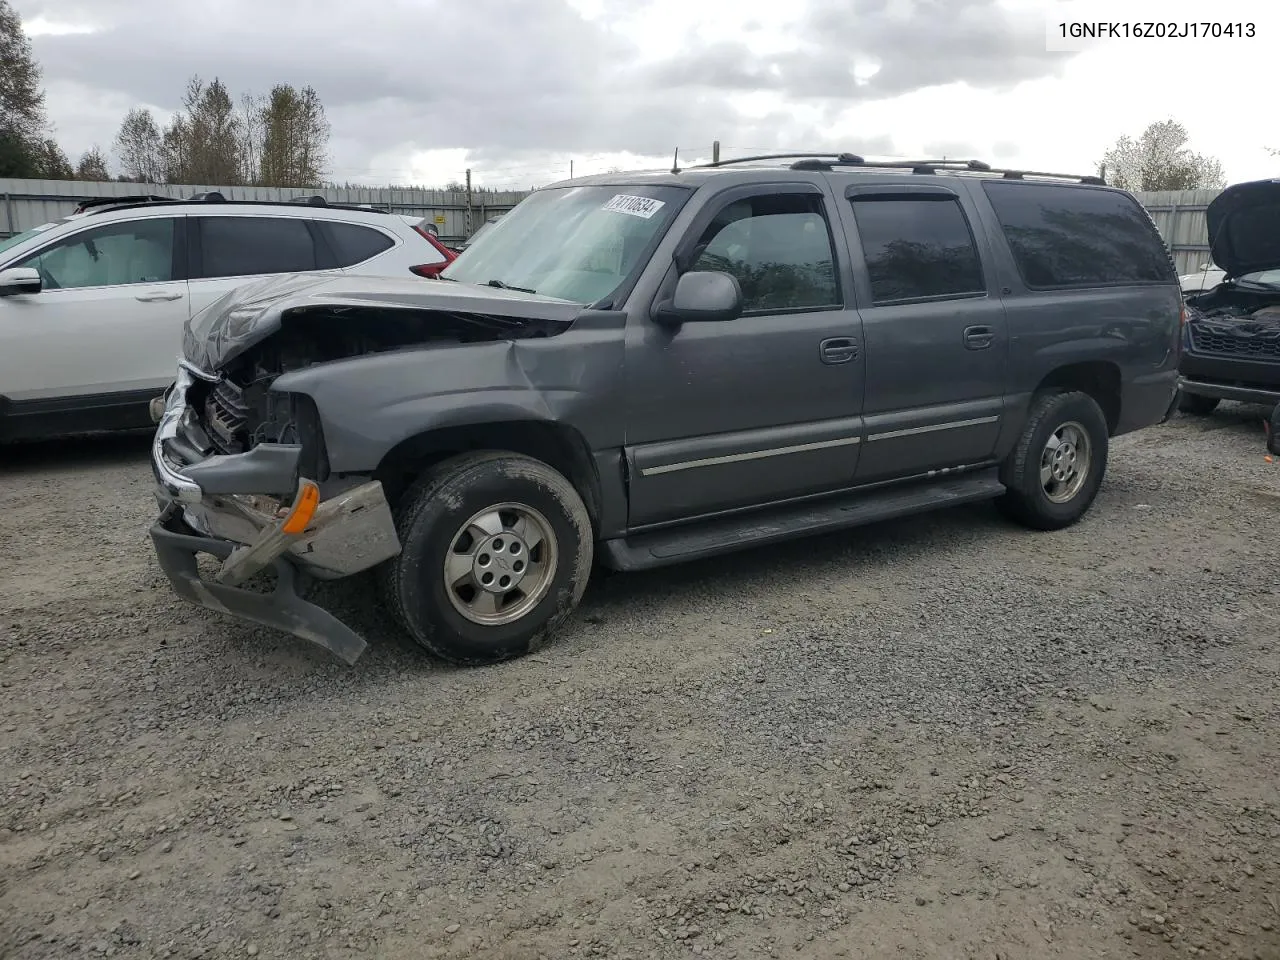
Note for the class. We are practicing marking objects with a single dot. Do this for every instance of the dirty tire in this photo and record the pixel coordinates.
(1196, 405)
(1026, 500)
(429, 519)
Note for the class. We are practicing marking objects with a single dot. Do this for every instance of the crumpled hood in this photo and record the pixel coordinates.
(249, 314)
(1244, 227)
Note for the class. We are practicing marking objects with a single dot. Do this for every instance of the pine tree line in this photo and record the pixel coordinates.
(280, 140)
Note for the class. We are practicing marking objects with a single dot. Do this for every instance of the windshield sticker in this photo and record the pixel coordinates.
(644, 207)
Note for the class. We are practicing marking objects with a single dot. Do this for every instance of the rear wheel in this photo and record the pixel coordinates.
(496, 551)
(1196, 405)
(1054, 472)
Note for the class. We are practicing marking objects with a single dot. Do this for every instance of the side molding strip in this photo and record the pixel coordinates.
(931, 428)
(753, 455)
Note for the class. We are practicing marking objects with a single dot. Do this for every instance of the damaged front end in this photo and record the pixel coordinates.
(242, 468)
(1231, 349)
(256, 512)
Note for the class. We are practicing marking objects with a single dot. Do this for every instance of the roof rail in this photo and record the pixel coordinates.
(832, 157)
(933, 166)
(827, 161)
(89, 204)
(102, 204)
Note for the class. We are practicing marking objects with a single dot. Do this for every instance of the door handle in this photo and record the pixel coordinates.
(838, 349)
(157, 296)
(978, 338)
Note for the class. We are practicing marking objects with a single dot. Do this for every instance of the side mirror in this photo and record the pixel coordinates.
(702, 296)
(18, 280)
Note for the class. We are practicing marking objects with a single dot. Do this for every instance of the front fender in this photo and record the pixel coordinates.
(369, 405)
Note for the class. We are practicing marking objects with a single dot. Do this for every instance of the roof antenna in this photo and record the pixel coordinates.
(675, 161)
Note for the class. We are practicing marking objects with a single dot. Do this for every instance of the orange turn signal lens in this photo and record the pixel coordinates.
(303, 509)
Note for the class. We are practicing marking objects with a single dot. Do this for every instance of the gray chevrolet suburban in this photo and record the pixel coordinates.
(635, 370)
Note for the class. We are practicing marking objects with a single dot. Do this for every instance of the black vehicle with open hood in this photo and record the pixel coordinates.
(1231, 344)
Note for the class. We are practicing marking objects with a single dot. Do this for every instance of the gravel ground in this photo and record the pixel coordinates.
(939, 738)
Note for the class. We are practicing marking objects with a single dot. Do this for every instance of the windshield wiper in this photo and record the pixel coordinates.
(506, 286)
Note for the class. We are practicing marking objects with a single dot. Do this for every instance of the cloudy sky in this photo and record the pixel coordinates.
(419, 90)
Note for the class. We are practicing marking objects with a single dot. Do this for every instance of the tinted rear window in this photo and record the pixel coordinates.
(246, 246)
(1078, 237)
(355, 244)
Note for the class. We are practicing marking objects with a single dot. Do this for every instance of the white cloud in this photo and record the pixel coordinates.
(615, 83)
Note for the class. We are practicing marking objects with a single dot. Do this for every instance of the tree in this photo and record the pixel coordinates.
(175, 151)
(93, 166)
(202, 143)
(253, 133)
(295, 137)
(23, 126)
(51, 162)
(140, 147)
(1160, 160)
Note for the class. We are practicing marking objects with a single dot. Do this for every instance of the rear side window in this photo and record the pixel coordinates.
(1077, 236)
(354, 244)
(917, 248)
(247, 246)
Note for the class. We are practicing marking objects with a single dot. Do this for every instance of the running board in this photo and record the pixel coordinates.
(714, 537)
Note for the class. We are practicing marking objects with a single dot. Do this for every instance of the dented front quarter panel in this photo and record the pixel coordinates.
(368, 405)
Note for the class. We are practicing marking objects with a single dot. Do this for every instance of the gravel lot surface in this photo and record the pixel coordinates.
(939, 738)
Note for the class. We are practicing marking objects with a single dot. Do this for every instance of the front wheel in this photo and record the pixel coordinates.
(1056, 468)
(496, 551)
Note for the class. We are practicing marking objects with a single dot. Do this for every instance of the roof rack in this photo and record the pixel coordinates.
(102, 204)
(827, 161)
(850, 158)
(92, 202)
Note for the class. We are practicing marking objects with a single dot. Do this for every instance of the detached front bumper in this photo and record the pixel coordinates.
(235, 508)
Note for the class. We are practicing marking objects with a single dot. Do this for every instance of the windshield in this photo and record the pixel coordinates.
(1261, 278)
(573, 243)
(26, 235)
(484, 228)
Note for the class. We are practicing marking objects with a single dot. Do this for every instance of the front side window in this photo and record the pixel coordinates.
(1069, 236)
(136, 251)
(917, 248)
(248, 246)
(778, 247)
(573, 243)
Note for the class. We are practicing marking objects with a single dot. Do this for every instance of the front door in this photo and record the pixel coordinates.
(762, 408)
(107, 325)
(934, 328)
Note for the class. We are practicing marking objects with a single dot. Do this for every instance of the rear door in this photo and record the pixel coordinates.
(107, 322)
(936, 338)
(230, 250)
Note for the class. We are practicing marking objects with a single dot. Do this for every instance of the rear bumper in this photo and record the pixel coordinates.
(177, 547)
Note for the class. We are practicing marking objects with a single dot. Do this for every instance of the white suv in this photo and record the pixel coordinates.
(92, 306)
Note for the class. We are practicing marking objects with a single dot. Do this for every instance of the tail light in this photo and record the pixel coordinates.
(432, 270)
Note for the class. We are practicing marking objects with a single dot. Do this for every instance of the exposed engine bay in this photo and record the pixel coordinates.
(1236, 321)
(240, 411)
